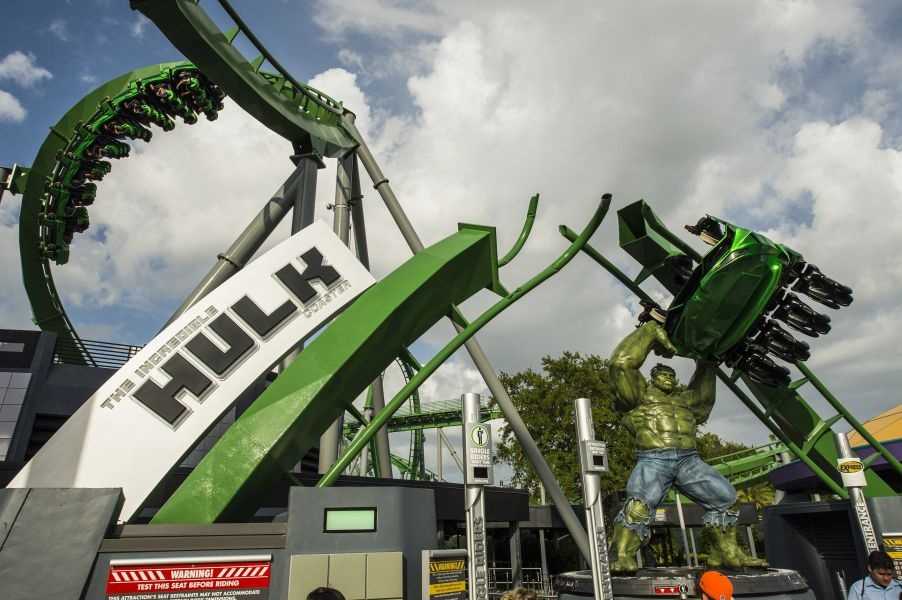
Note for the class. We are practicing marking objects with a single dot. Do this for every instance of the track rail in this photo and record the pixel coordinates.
(308, 118)
(60, 185)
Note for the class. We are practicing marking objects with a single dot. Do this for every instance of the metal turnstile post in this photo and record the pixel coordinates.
(477, 444)
(593, 460)
(852, 471)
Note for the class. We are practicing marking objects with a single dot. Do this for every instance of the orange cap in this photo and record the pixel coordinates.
(716, 585)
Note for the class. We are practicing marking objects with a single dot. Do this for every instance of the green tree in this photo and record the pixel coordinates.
(710, 445)
(545, 401)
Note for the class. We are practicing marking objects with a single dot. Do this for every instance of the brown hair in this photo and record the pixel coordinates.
(519, 593)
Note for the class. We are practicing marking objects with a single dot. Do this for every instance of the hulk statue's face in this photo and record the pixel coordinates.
(664, 379)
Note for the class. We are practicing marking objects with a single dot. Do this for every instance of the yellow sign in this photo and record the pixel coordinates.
(447, 565)
(850, 467)
(447, 588)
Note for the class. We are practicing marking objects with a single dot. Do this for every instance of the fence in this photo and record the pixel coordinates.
(501, 580)
(93, 353)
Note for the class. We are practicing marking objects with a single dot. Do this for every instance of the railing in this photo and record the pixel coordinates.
(501, 580)
(107, 355)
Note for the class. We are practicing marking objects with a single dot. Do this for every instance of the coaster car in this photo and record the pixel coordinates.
(729, 304)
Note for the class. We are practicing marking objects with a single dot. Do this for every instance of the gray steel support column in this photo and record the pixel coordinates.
(515, 552)
(694, 551)
(365, 453)
(438, 454)
(481, 361)
(751, 537)
(542, 552)
(383, 455)
(330, 440)
(250, 240)
(383, 450)
(679, 507)
(301, 216)
(305, 199)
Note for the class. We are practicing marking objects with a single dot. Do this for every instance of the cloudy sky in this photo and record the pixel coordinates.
(778, 115)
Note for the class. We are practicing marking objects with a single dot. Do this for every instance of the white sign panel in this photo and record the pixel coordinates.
(142, 422)
(852, 472)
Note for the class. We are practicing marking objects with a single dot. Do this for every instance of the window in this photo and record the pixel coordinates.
(345, 520)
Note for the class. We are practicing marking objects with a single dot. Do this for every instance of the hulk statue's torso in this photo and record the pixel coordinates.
(664, 420)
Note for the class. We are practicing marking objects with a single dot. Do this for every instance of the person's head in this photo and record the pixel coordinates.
(713, 585)
(519, 593)
(663, 377)
(881, 568)
(325, 593)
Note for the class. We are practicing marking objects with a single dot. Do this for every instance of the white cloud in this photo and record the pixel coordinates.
(11, 110)
(350, 59)
(13, 306)
(139, 25)
(21, 68)
(157, 208)
(673, 103)
(59, 28)
(386, 17)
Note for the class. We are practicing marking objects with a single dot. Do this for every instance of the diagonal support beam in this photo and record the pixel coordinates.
(480, 360)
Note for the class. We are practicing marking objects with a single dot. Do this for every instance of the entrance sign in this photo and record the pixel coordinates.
(223, 578)
(477, 445)
(147, 417)
(850, 467)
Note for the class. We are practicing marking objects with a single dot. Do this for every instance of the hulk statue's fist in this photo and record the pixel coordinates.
(661, 343)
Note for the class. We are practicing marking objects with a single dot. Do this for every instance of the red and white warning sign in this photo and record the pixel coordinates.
(223, 578)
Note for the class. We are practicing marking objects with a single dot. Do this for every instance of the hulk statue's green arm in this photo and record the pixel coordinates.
(701, 390)
(628, 358)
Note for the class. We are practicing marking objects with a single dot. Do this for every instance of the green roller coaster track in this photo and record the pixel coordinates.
(307, 117)
(59, 185)
(266, 440)
(317, 387)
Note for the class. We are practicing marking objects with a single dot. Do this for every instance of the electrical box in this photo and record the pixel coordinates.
(593, 456)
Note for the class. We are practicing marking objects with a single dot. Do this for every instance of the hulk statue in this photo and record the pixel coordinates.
(664, 422)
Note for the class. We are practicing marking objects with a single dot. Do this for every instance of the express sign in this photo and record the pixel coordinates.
(143, 421)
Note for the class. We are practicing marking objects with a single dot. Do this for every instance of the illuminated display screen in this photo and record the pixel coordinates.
(338, 520)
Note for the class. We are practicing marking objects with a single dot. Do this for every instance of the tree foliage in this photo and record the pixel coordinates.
(710, 445)
(545, 402)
